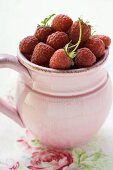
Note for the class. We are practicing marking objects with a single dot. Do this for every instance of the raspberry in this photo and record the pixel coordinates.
(74, 31)
(28, 44)
(42, 33)
(57, 40)
(60, 60)
(28, 56)
(106, 40)
(42, 54)
(84, 58)
(61, 23)
(96, 45)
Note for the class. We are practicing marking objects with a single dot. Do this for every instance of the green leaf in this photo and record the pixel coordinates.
(46, 20)
(83, 157)
(76, 156)
(80, 151)
(35, 142)
(86, 166)
(20, 168)
(96, 156)
(87, 161)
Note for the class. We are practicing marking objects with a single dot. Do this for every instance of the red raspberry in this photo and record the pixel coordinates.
(28, 56)
(84, 58)
(60, 60)
(106, 40)
(57, 40)
(42, 54)
(42, 33)
(74, 31)
(96, 45)
(61, 23)
(28, 44)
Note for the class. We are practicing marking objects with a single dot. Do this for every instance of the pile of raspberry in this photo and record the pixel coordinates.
(64, 44)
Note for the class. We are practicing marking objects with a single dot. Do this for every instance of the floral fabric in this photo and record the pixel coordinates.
(36, 156)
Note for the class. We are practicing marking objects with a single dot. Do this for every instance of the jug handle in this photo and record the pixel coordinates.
(12, 62)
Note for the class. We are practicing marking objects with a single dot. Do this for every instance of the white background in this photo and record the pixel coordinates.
(19, 18)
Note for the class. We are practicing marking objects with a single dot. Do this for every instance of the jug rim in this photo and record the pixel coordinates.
(35, 67)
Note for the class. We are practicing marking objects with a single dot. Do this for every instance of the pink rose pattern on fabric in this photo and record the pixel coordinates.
(43, 157)
(14, 167)
(50, 159)
(39, 157)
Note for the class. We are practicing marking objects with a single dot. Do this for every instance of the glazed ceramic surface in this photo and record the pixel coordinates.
(61, 108)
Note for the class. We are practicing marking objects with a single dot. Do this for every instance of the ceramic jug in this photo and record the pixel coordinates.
(61, 108)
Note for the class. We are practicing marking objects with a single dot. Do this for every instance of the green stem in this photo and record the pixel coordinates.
(71, 53)
(80, 36)
(73, 45)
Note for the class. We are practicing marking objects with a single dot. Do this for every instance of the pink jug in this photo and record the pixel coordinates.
(62, 108)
